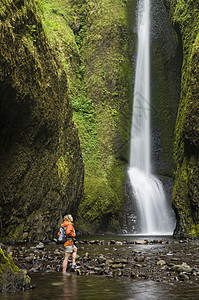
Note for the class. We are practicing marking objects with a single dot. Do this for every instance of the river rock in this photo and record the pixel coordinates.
(115, 266)
(135, 251)
(120, 260)
(97, 269)
(109, 262)
(57, 252)
(161, 262)
(93, 242)
(182, 268)
(101, 259)
(138, 266)
(118, 243)
(175, 259)
(183, 276)
(139, 258)
(140, 242)
(185, 268)
(112, 242)
(133, 275)
(10, 250)
(79, 272)
(31, 248)
(90, 273)
(40, 245)
(86, 257)
(30, 259)
(117, 273)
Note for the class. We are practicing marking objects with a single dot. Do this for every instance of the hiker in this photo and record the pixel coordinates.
(70, 248)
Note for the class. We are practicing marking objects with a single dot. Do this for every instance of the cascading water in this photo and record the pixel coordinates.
(147, 189)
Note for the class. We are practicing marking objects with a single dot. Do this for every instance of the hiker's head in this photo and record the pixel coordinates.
(68, 218)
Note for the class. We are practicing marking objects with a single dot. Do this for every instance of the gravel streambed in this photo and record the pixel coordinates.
(158, 260)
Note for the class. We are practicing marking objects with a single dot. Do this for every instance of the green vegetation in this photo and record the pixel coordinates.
(41, 162)
(7, 262)
(11, 278)
(55, 53)
(92, 39)
(185, 18)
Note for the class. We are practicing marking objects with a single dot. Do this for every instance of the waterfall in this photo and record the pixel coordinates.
(147, 189)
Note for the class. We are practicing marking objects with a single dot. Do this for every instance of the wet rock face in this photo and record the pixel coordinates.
(186, 146)
(40, 159)
(166, 60)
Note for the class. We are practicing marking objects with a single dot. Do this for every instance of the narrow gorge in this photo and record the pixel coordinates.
(67, 77)
(67, 70)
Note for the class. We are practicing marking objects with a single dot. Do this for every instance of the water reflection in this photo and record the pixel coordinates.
(56, 287)
(143, 290)
(69, 287)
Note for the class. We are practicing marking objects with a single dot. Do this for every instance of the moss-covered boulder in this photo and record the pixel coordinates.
(185, 19)
(40, 159)
(12, 279)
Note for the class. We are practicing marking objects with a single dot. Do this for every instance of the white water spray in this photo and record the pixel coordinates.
(148, 190)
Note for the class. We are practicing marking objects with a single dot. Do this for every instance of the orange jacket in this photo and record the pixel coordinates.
(70, 232)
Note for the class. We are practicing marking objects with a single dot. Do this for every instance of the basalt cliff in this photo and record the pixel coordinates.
(41, 165)
(185, 19)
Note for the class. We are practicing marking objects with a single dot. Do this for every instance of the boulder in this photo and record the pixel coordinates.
(12, 279)
(182, 268)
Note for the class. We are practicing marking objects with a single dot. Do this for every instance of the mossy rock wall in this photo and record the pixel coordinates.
(40, 159)
(106, 56)
(185, 18)
(12, 279)
(94, 41)
(54, 53)
(166, 60)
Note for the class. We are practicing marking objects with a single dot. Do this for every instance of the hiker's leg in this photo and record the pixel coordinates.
(74, 254)
(65, 262)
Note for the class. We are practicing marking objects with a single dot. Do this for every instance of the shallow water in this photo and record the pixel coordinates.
(74, 287)
(52, 285)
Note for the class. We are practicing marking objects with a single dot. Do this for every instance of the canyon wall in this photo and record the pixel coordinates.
(41, 165)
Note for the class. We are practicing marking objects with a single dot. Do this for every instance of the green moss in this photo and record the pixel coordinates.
(106, 58)
(99, 66)
(39, 149)
(185, 18)
(103, 207)
(11, 278)
(193, 231)
(91, 42)
(6, 262)
(15, 233)
(63, 171)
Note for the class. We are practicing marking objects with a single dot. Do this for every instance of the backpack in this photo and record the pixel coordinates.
(62, 235)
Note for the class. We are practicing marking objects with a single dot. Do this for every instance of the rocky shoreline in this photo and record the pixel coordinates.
(159, 260)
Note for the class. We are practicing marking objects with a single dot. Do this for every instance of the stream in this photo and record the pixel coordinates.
(111, 267)
(53, 286)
